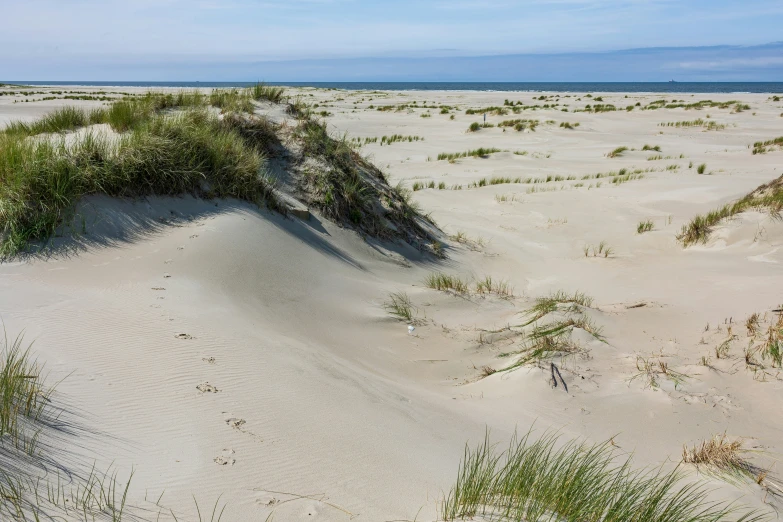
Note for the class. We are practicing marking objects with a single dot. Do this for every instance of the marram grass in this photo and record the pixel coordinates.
(546, 480)
(41, 180)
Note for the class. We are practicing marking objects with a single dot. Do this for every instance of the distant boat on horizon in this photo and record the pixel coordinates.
(672, 81)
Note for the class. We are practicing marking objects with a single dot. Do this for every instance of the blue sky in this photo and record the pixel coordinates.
(321, 39)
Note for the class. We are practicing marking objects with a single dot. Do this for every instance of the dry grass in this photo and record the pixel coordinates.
(726, 458)
(651, 370)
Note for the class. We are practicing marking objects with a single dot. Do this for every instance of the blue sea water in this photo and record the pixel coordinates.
(658, 87)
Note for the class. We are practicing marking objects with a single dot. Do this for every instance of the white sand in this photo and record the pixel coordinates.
(339, 402)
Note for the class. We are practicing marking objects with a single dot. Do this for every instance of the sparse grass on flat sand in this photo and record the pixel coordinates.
(552, 339)
(481, 152)
(617, 152)
(545, 479)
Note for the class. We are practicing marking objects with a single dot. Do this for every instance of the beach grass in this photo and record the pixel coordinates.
(482, 152)
(724, 457)
(762, 147)
(174, 144)
(644, 226)
(24, 395)
(399, 306)
(768, 196)
(192, 152)
(617, 152)
(446, 282)
(545, 479)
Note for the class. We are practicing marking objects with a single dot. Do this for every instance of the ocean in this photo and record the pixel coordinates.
(657, 87)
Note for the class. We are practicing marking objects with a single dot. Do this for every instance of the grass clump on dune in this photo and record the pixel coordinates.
(723, 457)
(768, 196)
(707, 125)
(547, 480)
(24, 397)
(399, 305)
(762, 147)
(194, 152)
(444, 282)
(644, 226)
(501, 288)
(476, 153)
(347, 187)
(617, 152)
(177, 144)
(552, 339)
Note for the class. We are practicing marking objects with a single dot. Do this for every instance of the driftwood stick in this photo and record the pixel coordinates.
(554, 370)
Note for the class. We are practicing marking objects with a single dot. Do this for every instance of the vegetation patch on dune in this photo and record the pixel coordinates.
(547, 480)
(762, 147)
(553, 320)
(706, 124)
(481, 152)
(209, 145)
(768, 196)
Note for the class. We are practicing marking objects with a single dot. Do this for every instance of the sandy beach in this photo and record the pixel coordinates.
(224, 352)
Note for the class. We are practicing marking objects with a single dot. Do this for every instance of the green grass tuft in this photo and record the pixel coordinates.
(644, 226)
(476, 153)
(399, 305)
(193, 152)
(617, 152)
(546, 480)
(444, 282)
(768, 196)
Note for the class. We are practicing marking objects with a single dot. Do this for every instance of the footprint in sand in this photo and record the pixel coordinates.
(225, 458)
(194, 236)
(208, 360)
(235, 423)
(167, 262)
(166, 276)
(181, 248)
(184, 336)
(205, 387)
(157, 288)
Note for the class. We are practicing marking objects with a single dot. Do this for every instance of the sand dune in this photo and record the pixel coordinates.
(227, 350)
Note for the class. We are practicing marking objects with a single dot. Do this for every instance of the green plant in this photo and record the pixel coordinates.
(476, 153)
(41, 181)
(769, 196)
(701, 168)
(650, 370)
(444, 282)
(493, 286)
(24, 396)
(603, 249)
(261, 91)
(546, 480)
(474, 127)
(399, 305)
(644, 226)
(617, 152)
(761, 147)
